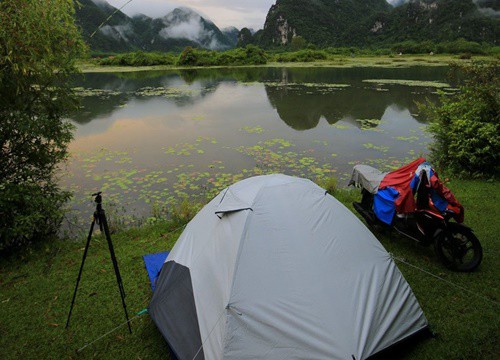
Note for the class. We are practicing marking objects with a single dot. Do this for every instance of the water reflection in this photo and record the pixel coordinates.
(150, 137)
(300, 107)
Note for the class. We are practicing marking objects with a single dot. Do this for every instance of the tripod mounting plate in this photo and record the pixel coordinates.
(98, 197)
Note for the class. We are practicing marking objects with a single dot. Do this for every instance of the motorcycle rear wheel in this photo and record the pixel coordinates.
(458, 248)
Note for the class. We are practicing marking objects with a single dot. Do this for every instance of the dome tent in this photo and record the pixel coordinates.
(273, 268)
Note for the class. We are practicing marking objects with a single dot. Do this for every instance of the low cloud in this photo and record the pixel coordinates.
(239, 13)
(396, 2)
(118, 32)
(193, 29)
(484, 6)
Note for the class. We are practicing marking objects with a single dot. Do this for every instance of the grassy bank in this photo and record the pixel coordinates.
(382, 61)
(36, 290)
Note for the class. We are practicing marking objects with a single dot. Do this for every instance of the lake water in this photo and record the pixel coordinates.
(148, 139)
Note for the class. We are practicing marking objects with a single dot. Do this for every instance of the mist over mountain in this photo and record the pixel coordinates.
(320, 22)
(179, 28)
(231, 34)
(487, 7)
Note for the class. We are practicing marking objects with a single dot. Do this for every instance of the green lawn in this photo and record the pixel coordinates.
(36, 290)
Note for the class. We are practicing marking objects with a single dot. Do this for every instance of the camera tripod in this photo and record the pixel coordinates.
(100, 219)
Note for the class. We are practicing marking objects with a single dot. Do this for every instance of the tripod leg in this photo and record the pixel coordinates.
(104, 222)
(81, 270)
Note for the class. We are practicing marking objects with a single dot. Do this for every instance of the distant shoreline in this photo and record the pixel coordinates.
(394, 61)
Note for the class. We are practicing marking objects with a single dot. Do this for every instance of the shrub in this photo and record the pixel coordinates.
(189, 56)
(39, 43)
(465, 56)
(249, 55)
(466, 127)
(139, 58)
(255, 55)
(328, 183)
(183, 211)
(298, 43)
(302, 56)
(460, 46)
(413, 47)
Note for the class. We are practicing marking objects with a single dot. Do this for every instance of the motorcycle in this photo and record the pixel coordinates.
(415, 203)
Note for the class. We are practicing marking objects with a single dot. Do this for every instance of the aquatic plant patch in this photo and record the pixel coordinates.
(369, 124)
(412, 83)
(101, 93)
(168, 92)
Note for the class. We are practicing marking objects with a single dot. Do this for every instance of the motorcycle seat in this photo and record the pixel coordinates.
(367, 177)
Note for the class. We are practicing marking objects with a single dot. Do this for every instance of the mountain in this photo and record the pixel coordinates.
(322, 22)
(245, 37)
(231, 34)
(436, 20)
(373, 22)
(118, 33)
(180, 28)
(185, 24)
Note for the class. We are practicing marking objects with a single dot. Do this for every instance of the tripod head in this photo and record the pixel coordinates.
(98, 201)
(98, 197)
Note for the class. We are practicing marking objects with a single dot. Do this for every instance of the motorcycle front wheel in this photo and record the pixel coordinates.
(458, 248)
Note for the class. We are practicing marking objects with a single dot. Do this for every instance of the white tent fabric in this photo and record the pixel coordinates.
(282, 270)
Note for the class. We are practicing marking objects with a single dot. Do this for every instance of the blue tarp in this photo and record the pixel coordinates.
(384, 204)
(154, 263)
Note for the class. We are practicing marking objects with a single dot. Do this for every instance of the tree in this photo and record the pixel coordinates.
(39, 43)
(245, 38)
(189, 56)
(298, 43)
(466, 127)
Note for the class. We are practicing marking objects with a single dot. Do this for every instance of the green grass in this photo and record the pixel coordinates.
(36, 289)
(334, 61)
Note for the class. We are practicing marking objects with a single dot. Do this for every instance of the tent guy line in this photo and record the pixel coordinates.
(480, 296)
(392, 256)
(109, 17)
(211, 331)
(142, 312)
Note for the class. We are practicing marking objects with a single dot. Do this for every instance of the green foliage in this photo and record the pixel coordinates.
(38, 45)
(374, 23)
(301, 56)
(413, 47)
(460, 46)
(321, 22)
(249, 55)
(465, 56)
(182, 212)
(139, 58)
(466, 127)
(298, 43)
(245, 38)
(188, 57)
(328, 183)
